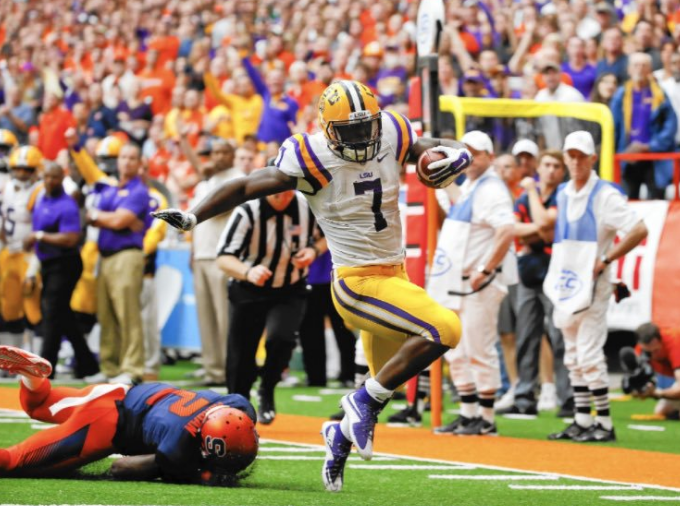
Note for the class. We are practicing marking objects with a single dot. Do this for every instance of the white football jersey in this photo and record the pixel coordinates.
(17, 218)
(356, 205)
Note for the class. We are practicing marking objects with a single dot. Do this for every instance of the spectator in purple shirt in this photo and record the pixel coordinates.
(280, 110)
(55, 237)
(644, 122)
(582, 73)
(120, 215)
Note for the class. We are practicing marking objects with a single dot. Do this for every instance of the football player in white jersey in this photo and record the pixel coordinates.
(8, 142)
(18, 197)
(350, 174)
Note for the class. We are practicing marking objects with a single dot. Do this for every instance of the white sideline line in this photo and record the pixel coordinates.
(639, 498)
(15, 420)
(491, 477)
(408, 467)
(573, 487)
(334, 391)
(319, 459)
(489, 467)
(648, 428)
(42, 426)
(12, 413)
(307, 398)
(283, 449)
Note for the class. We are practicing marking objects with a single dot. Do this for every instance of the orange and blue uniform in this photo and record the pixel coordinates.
(100, 420)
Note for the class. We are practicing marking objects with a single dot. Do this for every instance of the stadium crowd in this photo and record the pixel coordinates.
(147, 104)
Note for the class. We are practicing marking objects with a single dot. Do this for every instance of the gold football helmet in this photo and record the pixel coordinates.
(8, 141)
(26, 157)
(107, 152)
(349, 116)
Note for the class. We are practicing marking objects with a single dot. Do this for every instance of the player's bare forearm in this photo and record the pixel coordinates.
(258, 184)
(425, 143)
(136, 468)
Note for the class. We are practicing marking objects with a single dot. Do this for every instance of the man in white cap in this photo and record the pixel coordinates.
(473, 267)
(526, 153)
(590, 212)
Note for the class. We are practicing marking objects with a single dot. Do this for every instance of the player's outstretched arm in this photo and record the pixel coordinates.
(136, 468)
(258, 184)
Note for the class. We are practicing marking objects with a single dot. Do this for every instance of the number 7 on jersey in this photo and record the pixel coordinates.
(375, 186)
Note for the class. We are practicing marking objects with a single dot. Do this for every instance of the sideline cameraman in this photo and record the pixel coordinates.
(663, 348)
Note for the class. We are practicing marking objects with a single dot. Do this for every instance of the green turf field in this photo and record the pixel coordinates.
(289, 474)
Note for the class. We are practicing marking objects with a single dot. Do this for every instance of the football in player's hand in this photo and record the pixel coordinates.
(425, 175)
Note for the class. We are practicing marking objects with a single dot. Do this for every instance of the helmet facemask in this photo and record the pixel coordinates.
(108, 165)
(358, 139)
(4, 157)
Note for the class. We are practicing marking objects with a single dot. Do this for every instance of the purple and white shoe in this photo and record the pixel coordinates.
(337, 451)
(362, 411)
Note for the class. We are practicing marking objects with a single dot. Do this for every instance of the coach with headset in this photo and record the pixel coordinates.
(266, 247)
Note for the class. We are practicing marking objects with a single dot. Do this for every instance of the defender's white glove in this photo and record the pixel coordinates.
(179, 219)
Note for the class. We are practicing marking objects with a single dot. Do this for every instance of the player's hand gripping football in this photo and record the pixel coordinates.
(456, 161)
(179, 219)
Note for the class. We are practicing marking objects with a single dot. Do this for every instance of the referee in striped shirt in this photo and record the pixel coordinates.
(266, 247)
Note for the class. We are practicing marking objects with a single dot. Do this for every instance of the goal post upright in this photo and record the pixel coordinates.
(429, 27)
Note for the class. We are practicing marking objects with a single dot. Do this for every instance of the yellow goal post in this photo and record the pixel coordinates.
(461, 107)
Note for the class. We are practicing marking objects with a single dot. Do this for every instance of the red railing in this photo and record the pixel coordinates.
(652, 157)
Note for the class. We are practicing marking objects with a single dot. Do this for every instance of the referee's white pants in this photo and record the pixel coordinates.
(585, 334)
(475, 359)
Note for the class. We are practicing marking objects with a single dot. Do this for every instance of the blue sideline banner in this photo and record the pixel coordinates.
(176, 300)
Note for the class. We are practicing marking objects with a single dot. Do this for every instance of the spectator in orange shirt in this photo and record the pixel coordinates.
(192, 115)
(303, 90)
(275, 51)
(182, 177)
(52, 126)
(662, 346)
(157, 83)
(158, 160)
(165, 44)
(218, 69)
